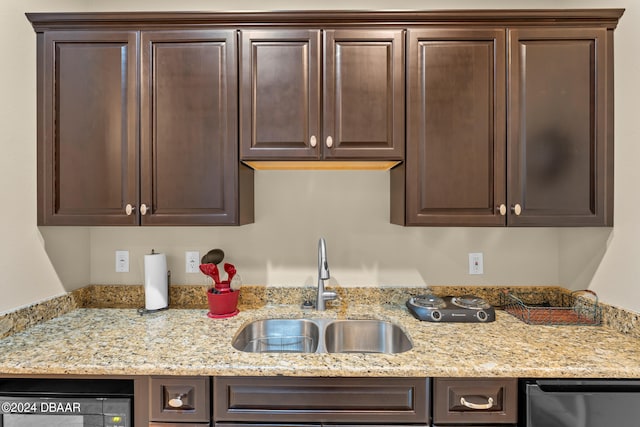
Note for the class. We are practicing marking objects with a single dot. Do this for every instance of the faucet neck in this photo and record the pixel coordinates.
(323, 274)
(323, 265)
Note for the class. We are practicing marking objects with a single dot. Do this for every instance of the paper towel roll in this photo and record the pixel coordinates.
(156, 286)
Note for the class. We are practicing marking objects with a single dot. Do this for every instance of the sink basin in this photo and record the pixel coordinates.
(365, 336)
(278, 336)
(320, 336)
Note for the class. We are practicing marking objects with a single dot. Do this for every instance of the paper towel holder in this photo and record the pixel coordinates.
(144, 310)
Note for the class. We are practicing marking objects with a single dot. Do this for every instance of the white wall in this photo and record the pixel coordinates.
(294, 208)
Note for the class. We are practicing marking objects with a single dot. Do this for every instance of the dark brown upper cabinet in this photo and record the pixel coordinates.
(190, 172)
(309, 94)
(455, 163)
(560, 127)
(511, 126)
(150, 117)
(175, 164)
(279, 94)
(87, 127)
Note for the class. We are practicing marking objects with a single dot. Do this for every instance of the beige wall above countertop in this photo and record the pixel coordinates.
(293, 208)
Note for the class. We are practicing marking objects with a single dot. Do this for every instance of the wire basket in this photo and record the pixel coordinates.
(553, 308)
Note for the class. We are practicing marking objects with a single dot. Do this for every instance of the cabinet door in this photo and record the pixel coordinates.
(363, 100)
(87, 127)
(560, 131)
(455, 162)
(280, 94)
(189, 162)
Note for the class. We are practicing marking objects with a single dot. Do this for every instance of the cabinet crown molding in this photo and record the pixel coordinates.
(607, 18)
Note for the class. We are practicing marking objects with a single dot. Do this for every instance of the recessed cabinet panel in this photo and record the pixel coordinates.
(273, 425)
(364, 93)
(280, 106)
(355, 400)
(558, 127)
(188, 125)
(189, 160)
(182, 425)
(88, 104)
(455, 161)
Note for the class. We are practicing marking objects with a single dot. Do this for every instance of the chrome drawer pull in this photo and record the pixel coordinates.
(485, 406)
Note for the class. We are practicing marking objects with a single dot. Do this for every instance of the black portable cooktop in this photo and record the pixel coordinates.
(465, 308)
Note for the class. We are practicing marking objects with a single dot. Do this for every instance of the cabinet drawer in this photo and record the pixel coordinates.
(269, 425)
(179, 424)
(477, 401)
(180, 399)
(302, 425)
(345, 400)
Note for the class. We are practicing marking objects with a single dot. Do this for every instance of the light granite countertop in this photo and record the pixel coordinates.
(93, 341)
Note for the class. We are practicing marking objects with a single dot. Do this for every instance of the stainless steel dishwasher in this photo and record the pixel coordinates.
(581, 403)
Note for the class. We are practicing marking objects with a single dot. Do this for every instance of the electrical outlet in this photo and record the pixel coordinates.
(122, 261)
(192, 260)
(475, 263)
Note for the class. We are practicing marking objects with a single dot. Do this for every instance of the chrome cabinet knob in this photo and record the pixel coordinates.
(129, 209)
(329, 142)
(502, 209)
(516, 209)
(143, 209)
(313, 141)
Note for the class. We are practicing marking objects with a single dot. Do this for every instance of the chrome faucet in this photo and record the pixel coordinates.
(323, 274)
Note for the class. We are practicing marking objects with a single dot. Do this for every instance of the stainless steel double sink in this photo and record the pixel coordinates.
(321, 336)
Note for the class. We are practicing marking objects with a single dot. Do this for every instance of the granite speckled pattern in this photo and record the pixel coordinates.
(26, 317)
(256, 296)
(187, 342)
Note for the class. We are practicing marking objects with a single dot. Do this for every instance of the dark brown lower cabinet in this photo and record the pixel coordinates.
(178, 425)
(269, 425)
(475, 401)
(289, 401)
(182, 400)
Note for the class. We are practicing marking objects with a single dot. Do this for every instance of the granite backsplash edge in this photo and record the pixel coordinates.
(256, 296)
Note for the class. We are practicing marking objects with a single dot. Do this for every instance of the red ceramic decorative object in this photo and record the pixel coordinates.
(223, 305)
